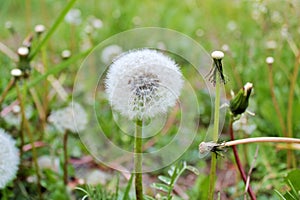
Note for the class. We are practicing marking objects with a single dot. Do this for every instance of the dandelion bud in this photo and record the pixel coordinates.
(9, 158)
(16, 72)
(39, 29)
(23, 51)
(239, 103)
(141, 84)
(65, 54)
(217, 55)
(269, 60)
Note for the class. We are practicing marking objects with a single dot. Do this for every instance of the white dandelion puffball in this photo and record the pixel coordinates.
(143, 83)
(9, 158)
(110, 52)
(64, 119)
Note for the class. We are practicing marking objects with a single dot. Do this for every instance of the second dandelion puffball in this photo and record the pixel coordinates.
(143, 83)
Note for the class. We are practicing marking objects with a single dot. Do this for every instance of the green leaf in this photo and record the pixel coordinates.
(280, 195)
(165, 179)
(126, 193)
(293, 176)
(160, 186)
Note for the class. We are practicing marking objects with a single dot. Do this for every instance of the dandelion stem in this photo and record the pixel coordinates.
(290, 154)
(213, 166)
(262, 140)
(138, 160)
(65, 143)
(26, 126)
(8, 87)
(238, 162)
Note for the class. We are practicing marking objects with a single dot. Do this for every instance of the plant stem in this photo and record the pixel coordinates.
(65, 143)
(238, 162)
(213, 166)
(275, 102)
(26, 126)
(52, 29)
(262, 139)
(8, 87)
(290, 154)
(138, 160)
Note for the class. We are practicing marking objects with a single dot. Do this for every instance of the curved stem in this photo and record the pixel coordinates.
(138, 160)
(239, 164)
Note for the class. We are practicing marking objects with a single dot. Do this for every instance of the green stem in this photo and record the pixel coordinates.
(213, 166)
(65, 143)
(291, 161)
(52, 29)
(138, 160)
(27, 128)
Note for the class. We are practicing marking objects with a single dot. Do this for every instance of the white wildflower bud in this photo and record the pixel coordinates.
(269, 60)
(141, 84)
(217, 55)
(9, 158)
(65, 54)
(16, 72)
(39, 29)
(23, 51)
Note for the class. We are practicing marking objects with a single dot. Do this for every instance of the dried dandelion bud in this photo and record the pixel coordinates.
(65, 54)
(240, 102)
(269, 60)
(141, 84)
(16, 72)
(23, 51)
(39, 29)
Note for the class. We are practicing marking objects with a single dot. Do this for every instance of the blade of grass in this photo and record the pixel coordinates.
(52, 29)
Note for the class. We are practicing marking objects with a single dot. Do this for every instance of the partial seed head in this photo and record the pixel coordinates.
(23, 51)
(269, 60)
(39, 29)
(217, 55)
(16, 72)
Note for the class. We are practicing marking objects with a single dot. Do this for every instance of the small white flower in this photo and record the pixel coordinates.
(73, 17)
(110, 52)
(9, 158)
(141, 84)
(64, 119)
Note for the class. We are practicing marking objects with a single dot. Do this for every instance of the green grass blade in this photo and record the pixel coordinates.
(52, 29)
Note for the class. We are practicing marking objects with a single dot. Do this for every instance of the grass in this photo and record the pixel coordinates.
(246, 27)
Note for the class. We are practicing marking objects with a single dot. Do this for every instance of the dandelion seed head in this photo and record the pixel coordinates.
(64, 119)
(9, 158)
(110, 52)
(14, 117)
(141, 84)
(73, 17)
